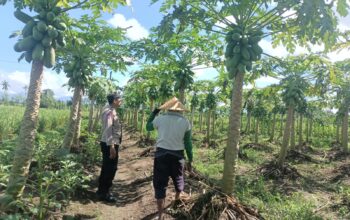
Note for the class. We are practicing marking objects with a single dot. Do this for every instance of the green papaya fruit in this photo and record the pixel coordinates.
(50, 16)
(28, 29)
(38, 52)
(237, 49)
(37, 35)
(42, 14)
(17, 47)
(236, 36)
(27, 43)
(22, 16)
(49, 57)
(46, 41)
(244, 41)
(257, 49)
(42, 27)
(60, 25)
(52, 33)
(229, 49)
(28, 56)
(245, 53)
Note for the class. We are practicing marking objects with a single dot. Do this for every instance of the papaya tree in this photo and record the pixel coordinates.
(42, 34)
(293, 95)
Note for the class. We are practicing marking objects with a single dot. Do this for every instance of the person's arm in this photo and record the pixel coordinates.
(108, 122)
(188, 145)
(149, 125)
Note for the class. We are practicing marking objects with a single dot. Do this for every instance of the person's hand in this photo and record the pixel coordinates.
(156, 111)
(189, 167)
(112, 152)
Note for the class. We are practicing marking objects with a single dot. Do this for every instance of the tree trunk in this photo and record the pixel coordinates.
(192, 116)
(272, 134)
(249, 115)
(97, 117)
(292, 133)
(233, 136)
(136, 118)
(200, 121)
(256, 139)
(27, 133)
(286, 135)
(76, 139)
(208, 126)
(182, 95)
(301, 131)
(73, 118)
(307, 129)
(142, 121)
(310, 128)
(91, 115)
(281, 126)
(337, 134)
(213, 123)
(345, 125)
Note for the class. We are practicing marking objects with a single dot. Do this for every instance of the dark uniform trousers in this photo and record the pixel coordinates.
(108, 170)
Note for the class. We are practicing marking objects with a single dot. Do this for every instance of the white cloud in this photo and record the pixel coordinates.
(18, 80)
(281, 51)
(135, 30)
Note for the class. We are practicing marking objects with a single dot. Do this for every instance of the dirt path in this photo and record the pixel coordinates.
(132, 187)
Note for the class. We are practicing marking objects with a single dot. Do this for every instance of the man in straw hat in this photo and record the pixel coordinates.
(174, 136)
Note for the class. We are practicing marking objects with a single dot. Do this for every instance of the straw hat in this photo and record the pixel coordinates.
(173, 105)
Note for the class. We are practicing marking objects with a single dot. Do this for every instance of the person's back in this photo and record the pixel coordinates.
(171, 127)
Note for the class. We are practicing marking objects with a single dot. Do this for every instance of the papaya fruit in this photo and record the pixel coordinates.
(38, 52)
(249, 67)
(42, 14)
(22, 16)
(49, 57)
(60, 25)
(46, 41)
(28, 29)
(27, 43)
(42, 27)
(228, 51)
(237, 49)
(245, 53)
(37, 35)
(244, 41)
(17, 47)
(50, 16)
(52, 33)
(257, 49)
(236, 36)
(28, 56)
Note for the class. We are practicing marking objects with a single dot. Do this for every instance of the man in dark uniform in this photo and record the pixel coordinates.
(110, 142)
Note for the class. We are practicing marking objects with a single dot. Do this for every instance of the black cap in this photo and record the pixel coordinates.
(113, 96)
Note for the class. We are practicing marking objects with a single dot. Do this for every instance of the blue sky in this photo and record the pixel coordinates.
(141, 16)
